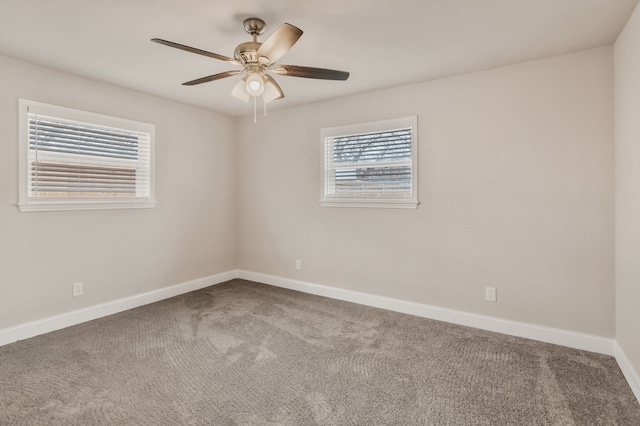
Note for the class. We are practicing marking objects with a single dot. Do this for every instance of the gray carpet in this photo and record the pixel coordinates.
(243, 353)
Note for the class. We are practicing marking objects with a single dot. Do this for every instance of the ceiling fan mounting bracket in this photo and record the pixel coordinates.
(254, 26)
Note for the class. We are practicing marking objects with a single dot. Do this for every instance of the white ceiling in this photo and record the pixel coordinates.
(383, 43)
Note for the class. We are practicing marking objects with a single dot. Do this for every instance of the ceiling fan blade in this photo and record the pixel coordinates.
(240, 90)
(272, 90)
(279, 43)
(309, 72)
(194, 50)
(212, 77)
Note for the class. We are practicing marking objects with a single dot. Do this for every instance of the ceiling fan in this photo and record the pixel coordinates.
(258, 60)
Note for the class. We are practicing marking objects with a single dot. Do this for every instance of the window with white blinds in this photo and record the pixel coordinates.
(371, 164)
(77, 160)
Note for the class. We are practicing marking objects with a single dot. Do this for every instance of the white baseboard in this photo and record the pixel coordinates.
(513, 328)
(57, 322)
(530, 331)
(627, 369)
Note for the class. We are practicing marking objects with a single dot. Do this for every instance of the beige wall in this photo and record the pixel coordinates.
(189, 234)
(516, 192)
(627, 160)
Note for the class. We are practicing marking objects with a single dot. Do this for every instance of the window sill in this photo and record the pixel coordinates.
(48, 206)
(379, 204)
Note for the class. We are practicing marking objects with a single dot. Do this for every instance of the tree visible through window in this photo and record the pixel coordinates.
(371, 164)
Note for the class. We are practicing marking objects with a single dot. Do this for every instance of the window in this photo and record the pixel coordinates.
(371, 164)
(77, 160)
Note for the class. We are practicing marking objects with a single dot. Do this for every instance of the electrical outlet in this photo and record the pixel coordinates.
(77, 289)
(298, 264)
(491, 294)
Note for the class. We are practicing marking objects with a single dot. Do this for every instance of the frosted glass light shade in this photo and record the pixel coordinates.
(255, 85)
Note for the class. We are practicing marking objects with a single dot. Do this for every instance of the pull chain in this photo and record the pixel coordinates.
(255, 102)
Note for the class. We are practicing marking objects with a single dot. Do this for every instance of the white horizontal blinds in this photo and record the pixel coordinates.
(50, 179)
(55, 135)
(370, 165)
(74, 159)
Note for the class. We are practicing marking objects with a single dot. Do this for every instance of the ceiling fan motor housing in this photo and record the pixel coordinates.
(247, 53)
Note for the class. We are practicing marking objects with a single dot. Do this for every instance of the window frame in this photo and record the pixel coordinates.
(327, 200)
(26, 203)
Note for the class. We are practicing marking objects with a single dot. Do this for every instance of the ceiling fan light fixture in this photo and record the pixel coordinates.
(240, 90)
(255, 84)
(272, 90)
